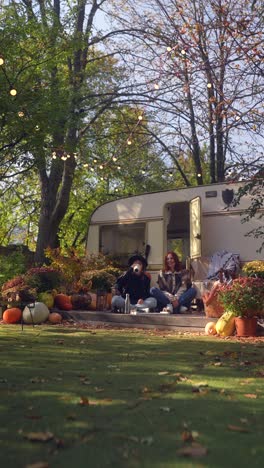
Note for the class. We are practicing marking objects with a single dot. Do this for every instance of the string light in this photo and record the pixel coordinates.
(143, 171)
(85, 165)
(114, 158)
(54, 155)
(183, 52)
(64, 158)
(119, 167)
(20, 114)
(13, 92)
(129, 142)
(209, 85)
(156, 86)
(169, 49)
(116, 189)
(199, 175)
(101, 166)
(140, 117)
(95, 161)
(2, 61)
(170, 174)
(92, 169)
(68, 156)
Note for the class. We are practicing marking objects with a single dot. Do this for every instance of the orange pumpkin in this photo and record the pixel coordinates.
(54, 317)
(63, 302)
(12, 315)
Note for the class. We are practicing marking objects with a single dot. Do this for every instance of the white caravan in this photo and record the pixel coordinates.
(196, 222)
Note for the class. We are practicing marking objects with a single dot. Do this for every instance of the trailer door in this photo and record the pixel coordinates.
(195, 228)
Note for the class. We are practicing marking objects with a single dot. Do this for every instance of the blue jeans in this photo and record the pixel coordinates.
(184, 300)
(118, 302)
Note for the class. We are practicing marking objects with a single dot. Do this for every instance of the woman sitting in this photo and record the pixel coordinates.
(175, 292)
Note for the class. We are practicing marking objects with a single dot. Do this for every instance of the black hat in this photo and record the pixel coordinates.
(138, 258)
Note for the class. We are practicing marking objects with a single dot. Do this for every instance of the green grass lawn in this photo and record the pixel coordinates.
(129, 398)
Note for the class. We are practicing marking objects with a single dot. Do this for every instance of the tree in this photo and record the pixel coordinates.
(196, 58)
(53, 63)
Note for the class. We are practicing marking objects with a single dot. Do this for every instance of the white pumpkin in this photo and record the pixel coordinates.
(37, 314)
(210, 328)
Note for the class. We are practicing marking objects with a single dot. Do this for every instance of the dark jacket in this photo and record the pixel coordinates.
(138, 287)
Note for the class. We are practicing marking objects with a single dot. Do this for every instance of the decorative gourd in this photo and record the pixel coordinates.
(54, 317)
(225, 325)
(210, 328)
(63, 302)
(81, 301)
(47, 298)
(37, 314)
(93, 303)
(12, 315)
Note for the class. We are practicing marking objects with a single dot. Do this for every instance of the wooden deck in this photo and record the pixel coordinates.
(194, 321)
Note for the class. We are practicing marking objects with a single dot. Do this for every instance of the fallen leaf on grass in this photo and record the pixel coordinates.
(189, 436)
(38, 465)
(147, 440)
(194, 451)
(84, 401)
(237, 428)
(39, 436)
(32, 416)
(250, 395)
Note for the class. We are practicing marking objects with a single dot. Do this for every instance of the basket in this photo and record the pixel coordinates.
(214, 309)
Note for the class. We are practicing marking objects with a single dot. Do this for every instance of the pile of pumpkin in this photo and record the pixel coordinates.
(36, 314)
(40, 310)
(225, 325)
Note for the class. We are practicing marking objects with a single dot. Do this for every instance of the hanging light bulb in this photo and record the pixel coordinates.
(85, 165)
(20, 114)
(68, 156)
(183, 52)
(143, 171)
(129, 142)
(101, 166)
(114, 158)
(116, 189)
(101, 178)
(64, 158)
(156, 86)
(95, 161)
(168, 49)
(13, 92)
(209, 85)
(92, 169)
(54, 155)
(2, 61)
(199, 175)
(140, 117)
(119, 167)
(170, 174)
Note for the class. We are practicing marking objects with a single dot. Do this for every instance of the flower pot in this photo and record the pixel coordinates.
(246, 326)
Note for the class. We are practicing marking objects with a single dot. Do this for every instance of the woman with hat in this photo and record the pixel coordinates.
(136, 283)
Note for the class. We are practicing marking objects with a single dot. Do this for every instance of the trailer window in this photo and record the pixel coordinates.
(122, 240)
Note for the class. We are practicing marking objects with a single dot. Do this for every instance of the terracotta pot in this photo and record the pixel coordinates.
(246, 326)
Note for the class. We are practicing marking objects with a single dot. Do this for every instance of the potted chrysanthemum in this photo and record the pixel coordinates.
(245, 298)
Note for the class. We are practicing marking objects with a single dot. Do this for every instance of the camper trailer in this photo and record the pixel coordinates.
(196, 222)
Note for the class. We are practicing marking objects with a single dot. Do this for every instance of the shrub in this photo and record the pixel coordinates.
(255, 268)
(244, 296)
